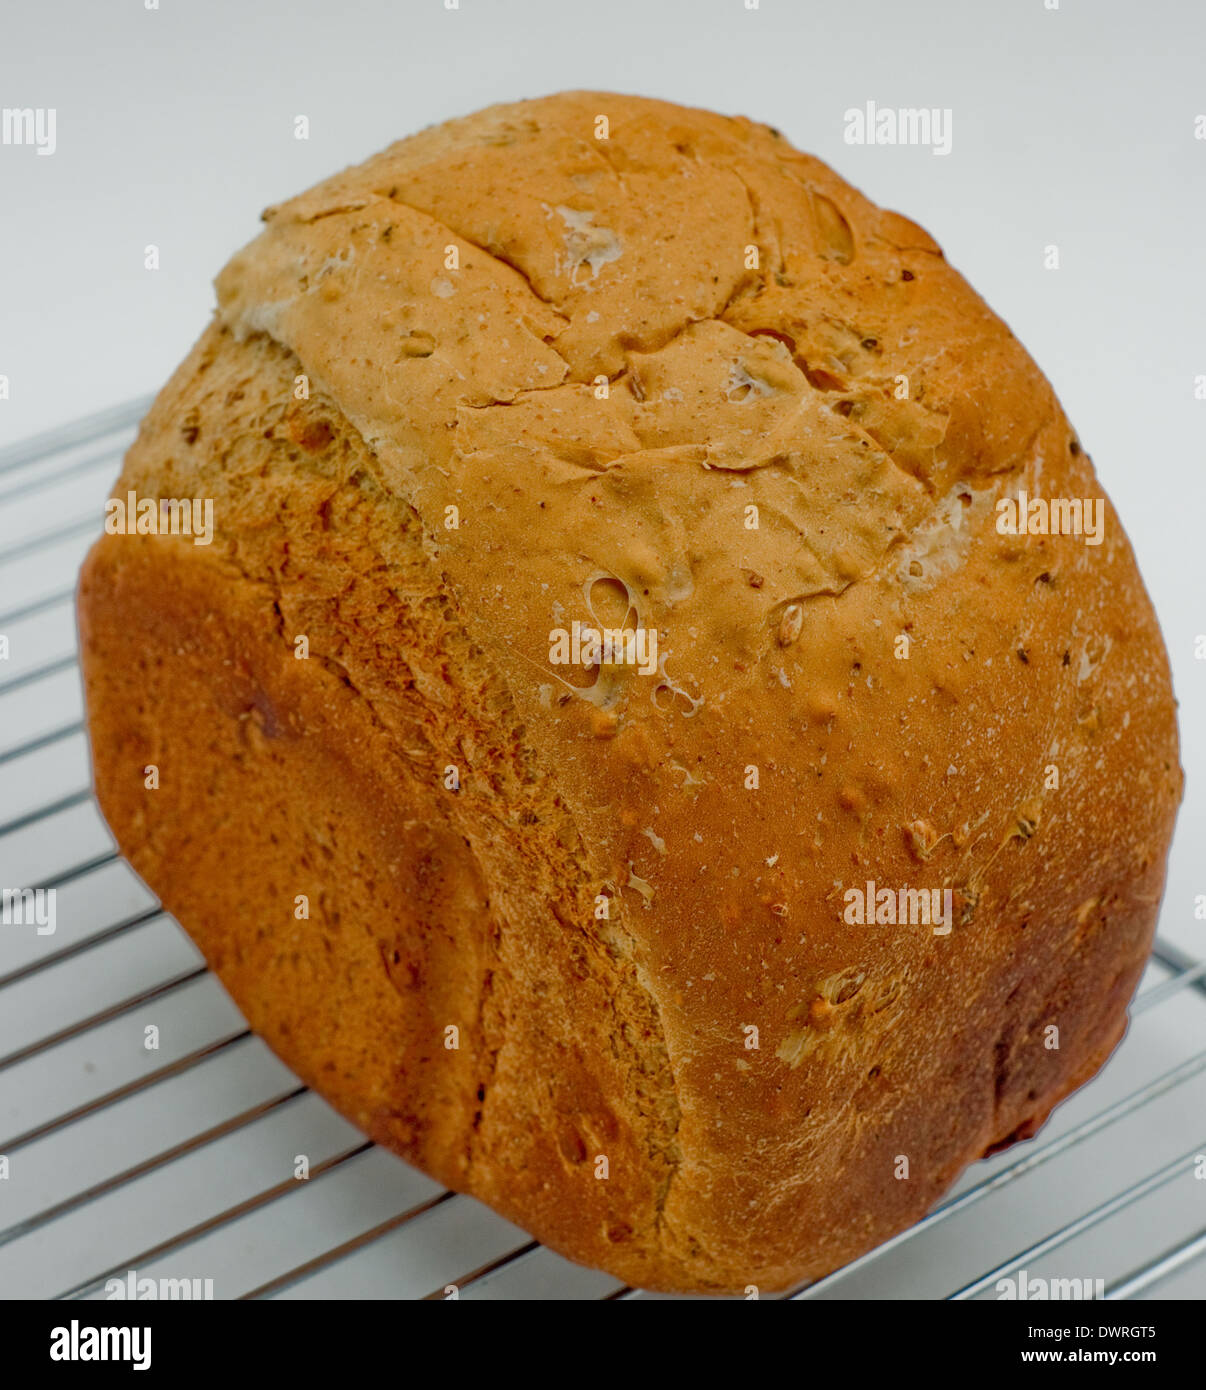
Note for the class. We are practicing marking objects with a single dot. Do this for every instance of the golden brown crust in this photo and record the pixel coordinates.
(849, 386)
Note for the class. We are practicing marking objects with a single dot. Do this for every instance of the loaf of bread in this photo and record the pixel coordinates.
(665, 731)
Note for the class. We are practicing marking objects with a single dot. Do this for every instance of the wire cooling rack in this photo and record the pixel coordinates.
(178, 1161)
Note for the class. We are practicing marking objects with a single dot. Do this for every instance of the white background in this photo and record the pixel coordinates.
(1073, 127)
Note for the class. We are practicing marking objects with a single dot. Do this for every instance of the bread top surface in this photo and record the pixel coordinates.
(847, 384)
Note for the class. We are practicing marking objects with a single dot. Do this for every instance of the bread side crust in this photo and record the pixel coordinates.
(327, 777)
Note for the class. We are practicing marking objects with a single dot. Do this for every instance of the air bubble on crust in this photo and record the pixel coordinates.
(665, 682)
(940, 545)
(642, 886)
(605, 690)
(586, 244)
(340, 261)
(655, 839)
(743, 386)
(1090, 662)
(606, 577)
(689, 778)
(679, 584)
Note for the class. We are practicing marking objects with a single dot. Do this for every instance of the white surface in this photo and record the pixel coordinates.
(175, 127)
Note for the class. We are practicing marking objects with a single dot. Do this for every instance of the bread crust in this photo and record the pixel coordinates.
(731, 380)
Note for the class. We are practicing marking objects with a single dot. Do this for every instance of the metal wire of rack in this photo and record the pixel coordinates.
(178, 1161)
